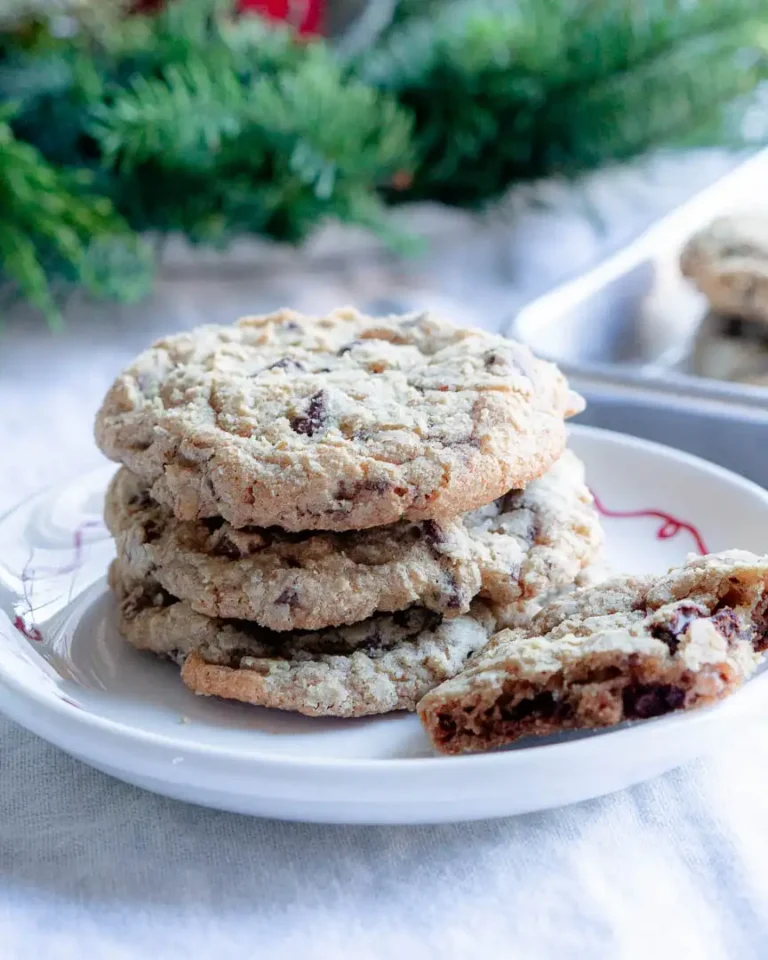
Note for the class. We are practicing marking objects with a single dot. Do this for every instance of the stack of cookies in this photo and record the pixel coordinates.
(331, 515)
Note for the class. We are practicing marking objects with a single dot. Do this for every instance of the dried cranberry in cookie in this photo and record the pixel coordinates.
(339, 422)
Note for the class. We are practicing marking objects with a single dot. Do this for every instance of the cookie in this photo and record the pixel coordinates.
(335, 423)
(292, 581)
(519, 548)
(729, 348)
(385, 663)
(628, 649)
(536, 541)
(728, 262)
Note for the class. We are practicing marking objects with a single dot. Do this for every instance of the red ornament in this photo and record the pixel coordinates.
(304, 15)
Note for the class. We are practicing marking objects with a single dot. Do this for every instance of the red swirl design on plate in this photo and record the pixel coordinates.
(24, 623)
(30, 632)
(670, 526)
(30, 573)
(70, 702)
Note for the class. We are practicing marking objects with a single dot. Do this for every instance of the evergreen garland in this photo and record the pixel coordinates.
(198, 121)
(52, 225)
(507, 92)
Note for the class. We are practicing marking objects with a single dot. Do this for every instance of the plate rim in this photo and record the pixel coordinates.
(66, 720)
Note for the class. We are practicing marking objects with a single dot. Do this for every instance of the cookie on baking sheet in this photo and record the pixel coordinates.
(729, 348)
(385, 663)
(334, 423)
(628, 649)
(728, 262)
(512, 552)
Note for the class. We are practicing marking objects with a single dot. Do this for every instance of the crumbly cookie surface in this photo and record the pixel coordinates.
(334, 423)
(535, 542)
(385, 663)
(728, 262)
(628, 649)
(523, 546)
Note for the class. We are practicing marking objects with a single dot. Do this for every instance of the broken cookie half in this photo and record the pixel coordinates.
(631, 648)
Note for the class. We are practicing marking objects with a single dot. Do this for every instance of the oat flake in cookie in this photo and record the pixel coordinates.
(385, 663)
(514, 551)
(628, 649)
(334, 423)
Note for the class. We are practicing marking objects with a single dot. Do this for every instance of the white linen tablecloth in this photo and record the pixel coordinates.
(92, 868)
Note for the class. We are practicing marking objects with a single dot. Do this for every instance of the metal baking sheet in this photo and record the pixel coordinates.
(731, 435)
(634, 318)
(625, 333)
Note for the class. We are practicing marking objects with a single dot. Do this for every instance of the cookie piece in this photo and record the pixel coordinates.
(629, 649)
(728, 262)
(385, 663)
(519, 548)
(335, 423)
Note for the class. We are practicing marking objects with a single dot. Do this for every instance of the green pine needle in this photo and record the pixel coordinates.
(182, 115)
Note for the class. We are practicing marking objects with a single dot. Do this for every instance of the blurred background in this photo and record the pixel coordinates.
(168, 164)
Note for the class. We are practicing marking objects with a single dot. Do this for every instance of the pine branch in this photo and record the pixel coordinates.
(199, 121)
(617, 119)
(604, 38)
(182, 115)
(213, 156)
(507, 93)
(49, 224)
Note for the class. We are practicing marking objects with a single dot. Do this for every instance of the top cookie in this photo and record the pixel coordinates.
(337, 423)
(728, 262)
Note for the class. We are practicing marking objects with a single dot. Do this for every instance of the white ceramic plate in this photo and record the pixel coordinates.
(66, 675)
